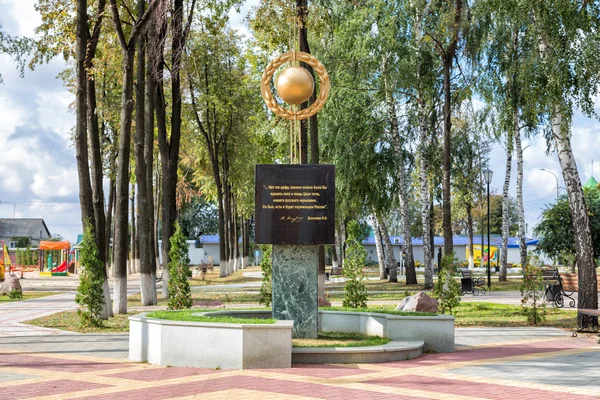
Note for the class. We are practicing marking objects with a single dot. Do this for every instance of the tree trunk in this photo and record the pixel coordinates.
(505, 226)
(587, 279)
(520, 207)
(409, 261)
(134, 254)
(144, 150)
(340, 239)
(389, 250)
(122, 196)
(81, 139)
(411, 276)
(378, 247)
(470, 234)
(109, 221)
(446, 195)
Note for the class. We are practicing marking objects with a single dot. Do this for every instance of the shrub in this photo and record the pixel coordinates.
(266, 265)
(532, 305)
(447, 289)
(15, 294)
(355, 291)
(179, 289)
(90, 292)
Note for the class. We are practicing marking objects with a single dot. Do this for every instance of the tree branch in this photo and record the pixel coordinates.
(117, 23)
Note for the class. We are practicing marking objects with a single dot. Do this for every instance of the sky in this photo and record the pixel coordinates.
(38, 173)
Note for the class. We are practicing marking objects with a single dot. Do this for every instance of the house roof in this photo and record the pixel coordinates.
(24, 227)
(458, 240)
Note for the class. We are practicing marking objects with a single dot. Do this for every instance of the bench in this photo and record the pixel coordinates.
(470, 284)
(570, 282)
(585, 323)
(554, 291)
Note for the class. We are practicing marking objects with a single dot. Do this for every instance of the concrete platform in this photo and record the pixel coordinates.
(392, 351)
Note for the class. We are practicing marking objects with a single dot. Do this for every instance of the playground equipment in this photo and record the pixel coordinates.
(55, 258)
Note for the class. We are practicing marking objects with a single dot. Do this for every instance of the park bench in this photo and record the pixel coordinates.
(587, 325)
(470, 284)
(553, 290)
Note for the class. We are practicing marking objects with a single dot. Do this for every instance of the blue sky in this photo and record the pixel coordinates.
(37, 159)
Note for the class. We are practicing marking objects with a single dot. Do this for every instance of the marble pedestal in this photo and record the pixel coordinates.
(295, 287)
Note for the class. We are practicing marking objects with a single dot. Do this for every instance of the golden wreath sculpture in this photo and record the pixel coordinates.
(265, 85)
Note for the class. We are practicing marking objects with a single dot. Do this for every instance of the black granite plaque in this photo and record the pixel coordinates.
(295, 204)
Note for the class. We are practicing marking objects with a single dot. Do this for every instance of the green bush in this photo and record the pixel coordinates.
(90, 292)
(355, 291)
(531, 303)
(447, 289)
(15, 294)
(180, 295)
(266, 265)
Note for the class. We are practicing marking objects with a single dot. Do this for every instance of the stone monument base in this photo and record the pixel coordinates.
(295, 287)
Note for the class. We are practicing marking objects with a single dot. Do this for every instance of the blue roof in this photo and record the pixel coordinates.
(458, 240)
(209, 239)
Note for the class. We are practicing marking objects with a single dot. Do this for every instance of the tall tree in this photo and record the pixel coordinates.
(122, 184)
(568, 33)
(447, 22)
(144, 160)
(169, 139)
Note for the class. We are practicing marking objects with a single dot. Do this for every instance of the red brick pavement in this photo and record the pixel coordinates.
(56, 364)
(48, 388)
(81, 377)
(465, 388)
(277, 386)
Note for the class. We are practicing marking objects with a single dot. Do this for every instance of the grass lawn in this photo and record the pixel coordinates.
(212, 277)
(69, 321)
(503, 315)
(187, 315)
(468, 314)
(136, 299)
(28, 296)
(340, 339)
(489, 315)
(510, 285)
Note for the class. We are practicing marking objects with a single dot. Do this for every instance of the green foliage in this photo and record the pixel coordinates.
(555, 230)
(15, 294)
(21, 241)
(179, 289)
(266, 265)
(447, 289)
(199, 217)
(90, 294)
(355, 291)
(531, 303)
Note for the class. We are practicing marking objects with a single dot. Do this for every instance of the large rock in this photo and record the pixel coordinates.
(323, 302)
(419, 302)
(11, 282)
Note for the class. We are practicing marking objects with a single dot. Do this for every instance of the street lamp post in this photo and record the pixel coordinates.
(487, 174)
(555, 177)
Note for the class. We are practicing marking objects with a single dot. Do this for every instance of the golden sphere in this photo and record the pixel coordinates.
(295, 85)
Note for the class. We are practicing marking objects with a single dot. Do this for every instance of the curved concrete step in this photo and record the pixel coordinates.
(392, 351)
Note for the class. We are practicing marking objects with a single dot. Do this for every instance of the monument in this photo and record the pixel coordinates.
(295, 203)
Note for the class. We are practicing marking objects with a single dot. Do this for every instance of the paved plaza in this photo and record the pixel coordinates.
(490, 363)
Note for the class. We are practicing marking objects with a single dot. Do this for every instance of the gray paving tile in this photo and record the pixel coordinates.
(575, 370)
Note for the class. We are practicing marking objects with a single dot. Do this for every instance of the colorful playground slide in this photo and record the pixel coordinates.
(62, 267)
